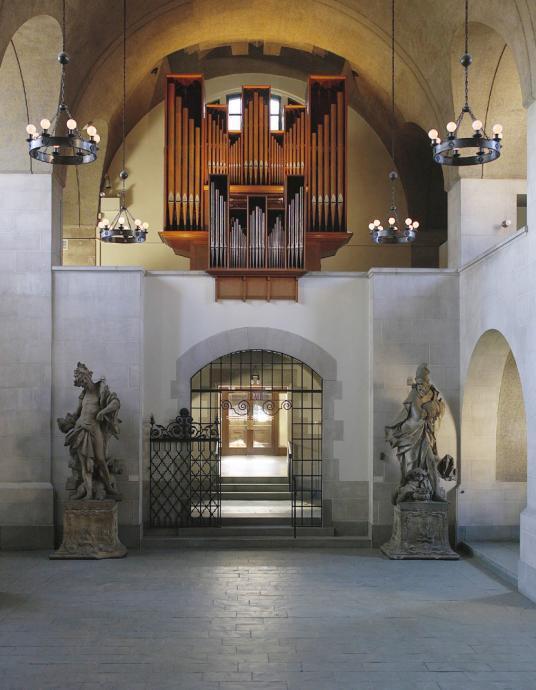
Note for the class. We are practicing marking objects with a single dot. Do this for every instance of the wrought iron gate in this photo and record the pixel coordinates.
(301, 388)
(185, 473)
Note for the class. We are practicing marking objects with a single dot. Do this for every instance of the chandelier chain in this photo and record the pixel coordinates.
(63, 42)
(124, 88)
(393, 181)
(393, 80)
(466, 66)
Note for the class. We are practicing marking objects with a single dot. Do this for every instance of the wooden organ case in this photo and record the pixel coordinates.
(255, 208)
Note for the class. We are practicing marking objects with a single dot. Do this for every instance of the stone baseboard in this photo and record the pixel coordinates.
(526, 580)
(469, 533)
(350, 529)
(26, 537)
(26, 515)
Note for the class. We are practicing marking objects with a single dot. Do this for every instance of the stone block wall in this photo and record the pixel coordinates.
(415, 319)
(98, 319)
(29, 239)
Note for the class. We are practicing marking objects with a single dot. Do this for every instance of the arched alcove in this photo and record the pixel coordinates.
(493, 468)
(29, 84)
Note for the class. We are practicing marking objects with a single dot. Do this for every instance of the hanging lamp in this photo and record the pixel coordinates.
(124, 228)
(476, 149)
(395, 232)
(70, 148)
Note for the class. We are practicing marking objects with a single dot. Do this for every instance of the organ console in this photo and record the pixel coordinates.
(255, 208)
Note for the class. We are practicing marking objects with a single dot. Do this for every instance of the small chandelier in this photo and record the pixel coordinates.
(124, 228)
(395, 232)
(479, 148)
(71, 148)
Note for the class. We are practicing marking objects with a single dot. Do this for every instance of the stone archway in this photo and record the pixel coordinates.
(336, 491)
(493, 468)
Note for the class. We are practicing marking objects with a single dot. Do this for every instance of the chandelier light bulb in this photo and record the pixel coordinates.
(451, 127)
(392, 220)
(377, 223)
(105, 222)
(97, 138)
(371, 226)
(497, 129)
(121, 220)
(477, 125)
(71, 124)
(408, 221)
(100, 224)
(145, 226)
(137, 222)
(91, 130)
(45, 124)
(31, 129)
(416, 224)
(433, 133)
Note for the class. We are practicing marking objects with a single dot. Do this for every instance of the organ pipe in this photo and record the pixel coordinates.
(256, 191)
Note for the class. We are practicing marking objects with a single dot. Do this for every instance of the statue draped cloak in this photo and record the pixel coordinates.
(89, 442)
(412, 434)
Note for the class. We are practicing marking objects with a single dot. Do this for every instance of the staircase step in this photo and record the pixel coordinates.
(252, 486)
(241, 531)
(254, 480)
(274, 540)
(248, 519)
(255, 496)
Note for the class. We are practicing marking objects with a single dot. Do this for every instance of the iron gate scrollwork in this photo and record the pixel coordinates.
(185, 473)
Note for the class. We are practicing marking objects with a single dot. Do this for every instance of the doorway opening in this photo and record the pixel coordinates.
(269, 407)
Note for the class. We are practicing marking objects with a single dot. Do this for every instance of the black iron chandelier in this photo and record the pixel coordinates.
(395, 232)
(124, 228)
(71, 148)
(470, 150)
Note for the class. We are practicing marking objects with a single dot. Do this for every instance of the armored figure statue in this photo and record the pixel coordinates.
(413, 436)
(87, 432)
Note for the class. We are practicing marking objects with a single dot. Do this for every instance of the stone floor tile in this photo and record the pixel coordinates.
(260, 620)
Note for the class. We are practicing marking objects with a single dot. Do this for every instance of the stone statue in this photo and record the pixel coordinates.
(87, 432)
(413, 436)
(420, 521)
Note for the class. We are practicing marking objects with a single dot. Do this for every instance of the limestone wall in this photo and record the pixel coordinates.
(499, 292)
(327, 329)
(98, 320)
(28, 240)
(414, 319)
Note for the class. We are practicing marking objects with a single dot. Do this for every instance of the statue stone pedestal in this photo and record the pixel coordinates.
(90, 531)
(420, 531)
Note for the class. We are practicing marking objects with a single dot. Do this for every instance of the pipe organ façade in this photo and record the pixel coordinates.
(255, 202)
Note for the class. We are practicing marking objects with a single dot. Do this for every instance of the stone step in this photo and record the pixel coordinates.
(258, 520)
(274, 540)
(244, 531)
(253, 486)
(254, 480)
(253, 495)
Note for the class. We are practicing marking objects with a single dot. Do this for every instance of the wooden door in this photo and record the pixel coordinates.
(249, 427)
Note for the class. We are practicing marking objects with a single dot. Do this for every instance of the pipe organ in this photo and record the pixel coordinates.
(256, 208)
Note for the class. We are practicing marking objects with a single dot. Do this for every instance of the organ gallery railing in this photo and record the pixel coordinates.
(255, 202)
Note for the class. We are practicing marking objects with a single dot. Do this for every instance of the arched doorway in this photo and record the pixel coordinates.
(269, 405)
(493, 472)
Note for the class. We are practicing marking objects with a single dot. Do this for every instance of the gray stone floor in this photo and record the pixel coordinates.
(260, 620)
